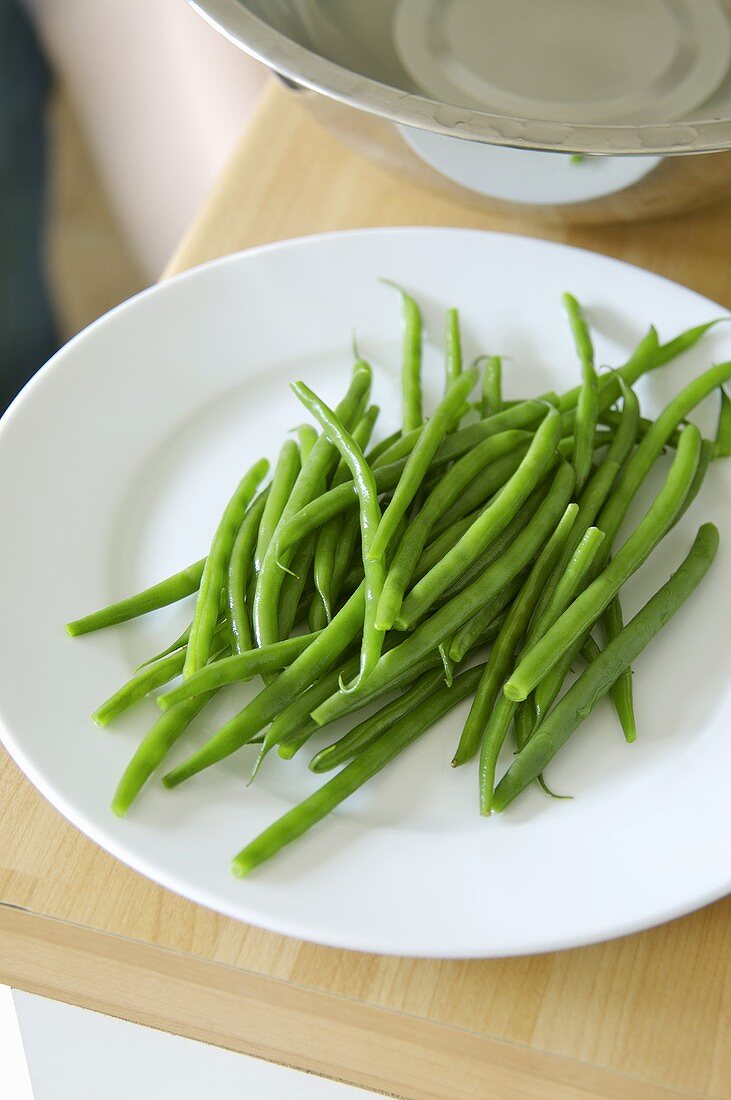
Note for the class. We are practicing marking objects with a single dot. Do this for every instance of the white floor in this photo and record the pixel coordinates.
(74, 1054)
(14, 1079)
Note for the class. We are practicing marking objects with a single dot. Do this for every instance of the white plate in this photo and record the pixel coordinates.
(115, 463)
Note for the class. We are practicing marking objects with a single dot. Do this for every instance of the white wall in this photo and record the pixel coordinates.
(14, 1079)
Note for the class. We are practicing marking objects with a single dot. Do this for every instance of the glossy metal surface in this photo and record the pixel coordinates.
(347, 51)
(344, 54)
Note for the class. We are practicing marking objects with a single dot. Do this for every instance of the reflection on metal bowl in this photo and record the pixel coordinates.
(617, 111)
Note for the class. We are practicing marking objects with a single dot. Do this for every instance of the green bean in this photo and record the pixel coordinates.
(492, 383)
(444, 622)
(307, 437)
(497, 548)
(419, 462)
(525, 415)
(704, 463)
(317, 617)
(378, 449)
(368, 731)
(294, 723)
(343, 497)
(592, 498)
(179, 643)
(344, 553)
(453, 358)
(330, 533)
(681, 343)
(586, 608)
(524, 722)
(647, 356)
(500, 719)
(172, 589)
(294, 584)
(570, 584)
(504, 649)
(314, 473)
(573, 582)
(621, 691)
(294, 726)
(651, 446)
(411, 360)
(446, 492)
(723, 431)
(539, 458)
(215, 570)
(367, 764)
(483, 486)
(598, 677)
(627, 425)
(438, 546)
(240, 572)
(370, 520)
(283, 479)
(153, 749)
(237, 669)
(139, 686)
(316, 660)
(587, 405)
(636, 469)
(633, 474)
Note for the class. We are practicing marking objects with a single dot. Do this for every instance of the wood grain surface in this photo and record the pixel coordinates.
(646, 1016)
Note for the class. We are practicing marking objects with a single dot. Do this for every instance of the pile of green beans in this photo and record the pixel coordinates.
(469, 555)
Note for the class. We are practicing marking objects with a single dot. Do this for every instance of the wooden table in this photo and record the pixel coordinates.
(647, 1017)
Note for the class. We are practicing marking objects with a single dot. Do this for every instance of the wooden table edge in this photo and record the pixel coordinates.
(289, 1024)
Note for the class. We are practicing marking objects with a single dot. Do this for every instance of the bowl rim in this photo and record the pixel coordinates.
(310, 70)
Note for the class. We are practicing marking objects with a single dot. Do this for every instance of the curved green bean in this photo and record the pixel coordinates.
(596, 680)
(370, 520)
(239, 574)
(651, 446)
(444, 622)
(449, 489)
(283, 479)
(238, 668)
(570, 584)
(205, 616)
(316, 660)
(482, 488)
(367, 764)
(586, 608)
(420, 460)
(506, 644)
(369, 730)
(541, 455)
(314, 473)
(330, 534)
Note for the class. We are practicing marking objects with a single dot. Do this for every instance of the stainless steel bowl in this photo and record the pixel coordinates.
(494, 100)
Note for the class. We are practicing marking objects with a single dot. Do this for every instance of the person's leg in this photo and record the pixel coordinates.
(27, 329)
(162, 99)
